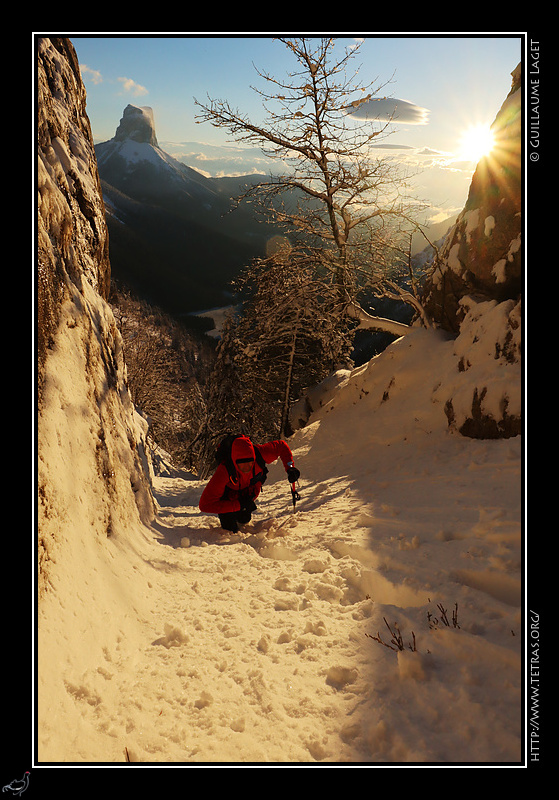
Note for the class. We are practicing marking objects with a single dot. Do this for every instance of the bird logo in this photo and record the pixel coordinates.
(17, 787)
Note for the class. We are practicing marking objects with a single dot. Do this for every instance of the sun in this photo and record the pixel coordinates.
(476, 141)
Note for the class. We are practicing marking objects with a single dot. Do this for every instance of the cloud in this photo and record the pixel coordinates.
(131, 86)
(389, 109)
(219, 160)
(392, 147)
(428, 151)
(93, 74)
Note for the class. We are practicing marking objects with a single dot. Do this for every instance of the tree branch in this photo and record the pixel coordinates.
(369, 322)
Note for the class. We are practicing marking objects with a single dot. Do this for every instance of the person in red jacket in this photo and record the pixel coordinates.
(232, 491)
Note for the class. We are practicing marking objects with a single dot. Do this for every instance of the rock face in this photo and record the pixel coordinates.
(93, 480)
(475, 288)
(137, 123)
(72, 234)
(482, 255)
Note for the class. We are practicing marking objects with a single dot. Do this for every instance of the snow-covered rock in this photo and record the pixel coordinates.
(488, 363)
(482, 253)
(71, 231)
(94, 493)
(476, 286)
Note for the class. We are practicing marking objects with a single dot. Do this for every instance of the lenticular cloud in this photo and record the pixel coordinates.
(392, 110)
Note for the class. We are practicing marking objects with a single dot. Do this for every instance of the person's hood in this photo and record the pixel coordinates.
(242, 450)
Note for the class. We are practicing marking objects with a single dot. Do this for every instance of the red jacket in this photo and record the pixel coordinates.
(221, 495)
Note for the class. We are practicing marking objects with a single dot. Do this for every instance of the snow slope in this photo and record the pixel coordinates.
(178, 644)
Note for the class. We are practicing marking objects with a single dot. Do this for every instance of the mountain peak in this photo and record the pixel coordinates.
(137, 123)
(133, 162)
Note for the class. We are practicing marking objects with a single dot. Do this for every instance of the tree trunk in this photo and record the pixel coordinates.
(288, 382)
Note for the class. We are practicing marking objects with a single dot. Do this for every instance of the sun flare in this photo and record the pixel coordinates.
(476, 142)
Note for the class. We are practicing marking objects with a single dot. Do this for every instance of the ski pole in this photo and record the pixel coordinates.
(294, 494)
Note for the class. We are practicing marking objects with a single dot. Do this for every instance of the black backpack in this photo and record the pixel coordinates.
(223, 456)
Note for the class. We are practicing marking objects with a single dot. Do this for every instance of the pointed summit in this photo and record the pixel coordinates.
(172, 239)
(138, 124)
(133, 163)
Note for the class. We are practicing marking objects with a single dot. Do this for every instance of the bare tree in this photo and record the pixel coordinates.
(282, 339)
(167, 373)
(346, 206)
(290, 339)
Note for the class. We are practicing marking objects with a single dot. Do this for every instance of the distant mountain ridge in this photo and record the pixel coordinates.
(173, 237)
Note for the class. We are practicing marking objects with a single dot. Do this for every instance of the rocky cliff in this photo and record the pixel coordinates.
(475, 288)
(137, 124)
(71, 230)
(89, 434)
(481, 255)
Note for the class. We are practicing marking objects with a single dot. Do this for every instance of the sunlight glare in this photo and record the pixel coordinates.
(476, 142)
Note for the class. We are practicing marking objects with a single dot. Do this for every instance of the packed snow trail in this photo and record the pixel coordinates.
(269, 635)
(259, 648)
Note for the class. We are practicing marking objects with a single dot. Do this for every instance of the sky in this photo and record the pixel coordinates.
(445, 84)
